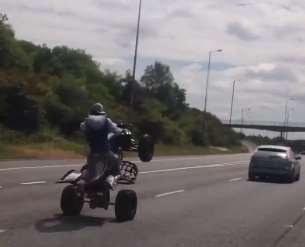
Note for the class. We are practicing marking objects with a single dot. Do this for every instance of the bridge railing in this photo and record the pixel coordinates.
(264, 123)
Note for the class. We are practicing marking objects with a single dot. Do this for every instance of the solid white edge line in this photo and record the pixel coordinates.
(2, 230)
(37, 167)
(169, 193)
(74, 165)
(235, 179)
(192, 167)
(172, 159)
(35, 182)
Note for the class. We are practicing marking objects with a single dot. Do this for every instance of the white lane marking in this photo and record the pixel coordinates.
(2, 230)
(289, 226)
(173, 159)
(169, 193)
(37, 167)
(35, 182)
(192, 167)
(79, 164)
(1, 187)
(235, 179)
(304, 208)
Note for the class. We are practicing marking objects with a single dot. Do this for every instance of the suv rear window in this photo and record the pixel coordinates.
(276, 150)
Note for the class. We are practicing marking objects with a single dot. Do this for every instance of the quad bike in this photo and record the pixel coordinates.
(96, 192)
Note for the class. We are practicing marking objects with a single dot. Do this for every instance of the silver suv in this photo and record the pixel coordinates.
(275, 161)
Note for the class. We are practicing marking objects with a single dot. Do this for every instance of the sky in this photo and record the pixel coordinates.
(262, 43)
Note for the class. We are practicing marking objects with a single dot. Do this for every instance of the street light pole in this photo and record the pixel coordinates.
(242, 120)
(232, 101)
(207, 83)
(208, 79)
(243, 110)
(135, 56)
(287, 121)
(284, 122)
(283, 133)
(206, 93)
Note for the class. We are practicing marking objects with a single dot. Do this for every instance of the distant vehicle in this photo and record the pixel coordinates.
(275, 162)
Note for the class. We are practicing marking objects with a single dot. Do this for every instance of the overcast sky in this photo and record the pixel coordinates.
(262, 42)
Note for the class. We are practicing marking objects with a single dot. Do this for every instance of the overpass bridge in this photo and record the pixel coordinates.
(266, 125)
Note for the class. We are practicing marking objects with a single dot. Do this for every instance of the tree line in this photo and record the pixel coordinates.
(42, 87)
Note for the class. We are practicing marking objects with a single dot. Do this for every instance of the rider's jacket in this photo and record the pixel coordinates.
(97, 128)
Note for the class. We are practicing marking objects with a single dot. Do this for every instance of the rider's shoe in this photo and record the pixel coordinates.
(112, 181)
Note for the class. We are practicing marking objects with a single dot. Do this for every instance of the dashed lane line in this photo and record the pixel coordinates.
(235, 179)
(169, 193)
(34, 182)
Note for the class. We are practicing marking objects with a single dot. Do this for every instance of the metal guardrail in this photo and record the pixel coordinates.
(265, 123)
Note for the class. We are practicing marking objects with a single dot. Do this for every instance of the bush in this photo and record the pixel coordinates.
(20, 111)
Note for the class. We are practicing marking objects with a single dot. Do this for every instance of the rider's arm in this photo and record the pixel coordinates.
(113, 128)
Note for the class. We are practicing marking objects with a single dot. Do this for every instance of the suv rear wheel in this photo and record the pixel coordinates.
(251, 176)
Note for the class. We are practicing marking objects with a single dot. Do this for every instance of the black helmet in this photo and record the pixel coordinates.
(97, 109)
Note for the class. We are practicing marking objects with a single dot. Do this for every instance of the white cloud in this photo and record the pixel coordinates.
(241, 31)
(114, 64)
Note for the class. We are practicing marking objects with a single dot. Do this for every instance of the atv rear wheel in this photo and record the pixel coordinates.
(72, 201)
(126, 205)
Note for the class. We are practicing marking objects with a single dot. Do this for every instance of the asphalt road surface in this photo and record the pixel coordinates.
(183, 201)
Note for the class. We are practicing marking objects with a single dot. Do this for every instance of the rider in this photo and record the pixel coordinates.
(97, 127)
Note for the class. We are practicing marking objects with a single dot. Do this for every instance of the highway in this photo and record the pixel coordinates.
(183, 201)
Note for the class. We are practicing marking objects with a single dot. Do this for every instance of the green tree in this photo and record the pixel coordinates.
(159, 82)
(11, 54)
(156, 76)
(3, 18)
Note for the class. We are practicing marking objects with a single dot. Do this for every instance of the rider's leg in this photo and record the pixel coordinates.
(114, 164)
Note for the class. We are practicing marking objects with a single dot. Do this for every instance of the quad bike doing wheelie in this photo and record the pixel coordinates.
(95, 192)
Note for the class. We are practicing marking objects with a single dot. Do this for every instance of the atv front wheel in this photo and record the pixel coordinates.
(146, 148)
